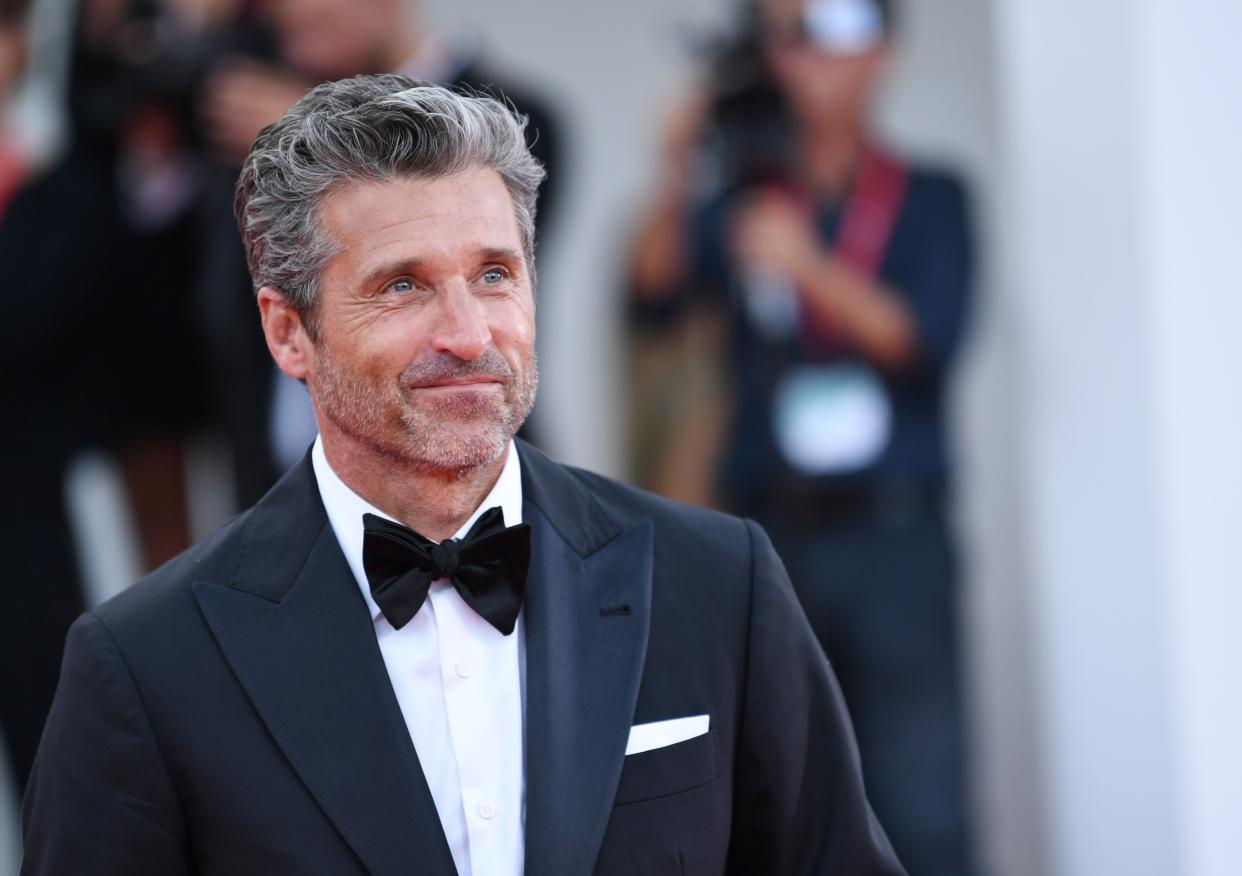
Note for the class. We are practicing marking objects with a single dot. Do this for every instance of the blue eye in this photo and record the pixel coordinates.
(402, 286)
(493, 276)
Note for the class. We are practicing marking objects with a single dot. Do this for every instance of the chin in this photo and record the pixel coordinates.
(459, 447)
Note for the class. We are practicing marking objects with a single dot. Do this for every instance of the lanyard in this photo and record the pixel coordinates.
(868, 220)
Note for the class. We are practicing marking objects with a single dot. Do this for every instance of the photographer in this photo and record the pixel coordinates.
(843, 274)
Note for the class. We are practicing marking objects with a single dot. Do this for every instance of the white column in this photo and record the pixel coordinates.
(1194, 151)
(1123, 127)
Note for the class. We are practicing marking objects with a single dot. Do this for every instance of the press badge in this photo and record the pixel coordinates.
(832, 419)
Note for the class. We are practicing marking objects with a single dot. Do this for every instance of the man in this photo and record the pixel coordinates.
(547, 672)
(844, 274)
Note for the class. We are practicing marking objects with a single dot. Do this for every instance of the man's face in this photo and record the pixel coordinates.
(332, 39)
(821, 84)
(425, 350)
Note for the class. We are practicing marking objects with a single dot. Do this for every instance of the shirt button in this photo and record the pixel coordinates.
(465, 668)
(487, 809)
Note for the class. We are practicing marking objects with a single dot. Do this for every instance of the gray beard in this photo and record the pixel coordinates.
(454, 434)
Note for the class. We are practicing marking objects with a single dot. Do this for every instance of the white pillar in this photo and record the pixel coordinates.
(1123, 128)
(1194, 84)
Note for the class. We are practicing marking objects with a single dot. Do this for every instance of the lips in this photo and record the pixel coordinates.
(475, 388)
(463, 383)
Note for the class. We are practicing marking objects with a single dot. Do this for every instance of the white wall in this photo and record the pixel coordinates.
(1074, 219)
(1193, 144)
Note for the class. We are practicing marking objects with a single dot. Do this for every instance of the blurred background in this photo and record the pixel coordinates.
(1025, 211)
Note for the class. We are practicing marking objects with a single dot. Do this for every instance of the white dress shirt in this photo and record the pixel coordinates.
(459, 684)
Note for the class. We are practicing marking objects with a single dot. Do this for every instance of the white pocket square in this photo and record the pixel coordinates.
(660, 734)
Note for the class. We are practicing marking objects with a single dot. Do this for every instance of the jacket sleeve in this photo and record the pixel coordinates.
(100, 800)
(799, 803)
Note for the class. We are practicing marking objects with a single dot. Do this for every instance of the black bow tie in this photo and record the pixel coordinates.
(487, 567)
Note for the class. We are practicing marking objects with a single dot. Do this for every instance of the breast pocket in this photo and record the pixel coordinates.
(672, 769)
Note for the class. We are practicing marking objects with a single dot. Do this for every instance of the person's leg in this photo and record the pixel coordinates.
(882, 599)
(39, 598)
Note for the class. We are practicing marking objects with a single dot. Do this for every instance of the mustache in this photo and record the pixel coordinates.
(443, 367)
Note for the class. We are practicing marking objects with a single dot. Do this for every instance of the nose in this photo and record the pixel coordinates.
(462, 328)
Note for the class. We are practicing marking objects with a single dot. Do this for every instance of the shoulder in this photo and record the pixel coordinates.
(163, 599)
(706, 568)
(692, 529)
(264, 545)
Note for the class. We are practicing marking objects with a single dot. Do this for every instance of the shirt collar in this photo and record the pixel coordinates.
(345, 509)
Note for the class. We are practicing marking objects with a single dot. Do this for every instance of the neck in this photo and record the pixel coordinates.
(433, 502)
(830, 151)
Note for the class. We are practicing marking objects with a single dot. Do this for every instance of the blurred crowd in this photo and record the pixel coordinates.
(797, 292)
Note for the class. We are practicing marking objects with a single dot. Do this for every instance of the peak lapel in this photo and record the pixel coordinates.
(307, 657)
(587, 618)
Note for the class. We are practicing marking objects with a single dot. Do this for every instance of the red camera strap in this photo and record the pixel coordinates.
(13, 173)
(871, 213)
(868, 220)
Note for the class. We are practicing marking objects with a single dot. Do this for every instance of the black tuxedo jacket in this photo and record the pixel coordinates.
(231, 713)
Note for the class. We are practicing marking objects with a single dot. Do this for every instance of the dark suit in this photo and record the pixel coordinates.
(232, 713)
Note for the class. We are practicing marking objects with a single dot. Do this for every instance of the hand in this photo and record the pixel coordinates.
(772, 234)
(241, 100)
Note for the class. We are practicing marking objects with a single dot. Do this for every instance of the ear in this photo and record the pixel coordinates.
(287, 338)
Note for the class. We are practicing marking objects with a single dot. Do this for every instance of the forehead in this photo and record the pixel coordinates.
(421, 218)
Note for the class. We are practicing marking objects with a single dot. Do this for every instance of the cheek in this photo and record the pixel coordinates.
(513, 323)
(378, 353)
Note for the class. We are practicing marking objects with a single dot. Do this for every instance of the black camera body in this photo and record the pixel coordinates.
(750, 134)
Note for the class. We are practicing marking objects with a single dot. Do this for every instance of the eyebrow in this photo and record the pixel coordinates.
(500, 254)
(398, 266)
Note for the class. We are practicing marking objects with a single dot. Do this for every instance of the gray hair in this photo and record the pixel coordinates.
(369, 128)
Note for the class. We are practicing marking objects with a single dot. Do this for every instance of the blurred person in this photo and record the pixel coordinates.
(845, 273)
(136, 73)
(95, 259)
(560, 675)
(59, 227)
(13, 160)
(269, 417)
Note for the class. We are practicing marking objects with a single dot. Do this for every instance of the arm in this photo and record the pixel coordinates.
(875, 317)
(799, 805)
(100, 799)
(772, 234)
(660, 260)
